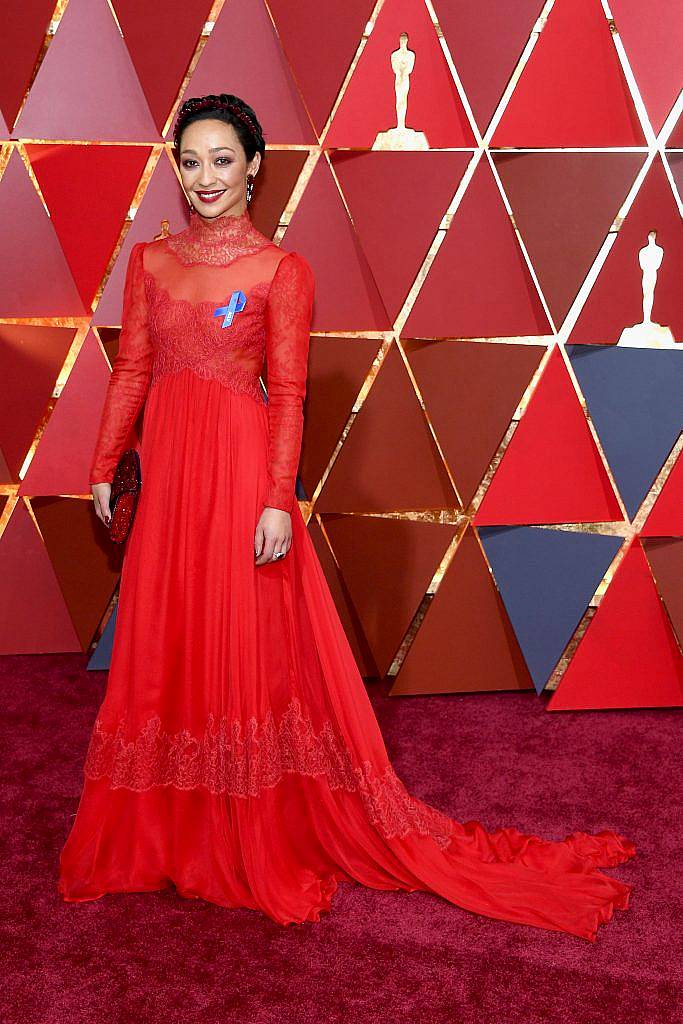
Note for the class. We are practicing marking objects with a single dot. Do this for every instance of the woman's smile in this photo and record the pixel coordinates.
(209, 196)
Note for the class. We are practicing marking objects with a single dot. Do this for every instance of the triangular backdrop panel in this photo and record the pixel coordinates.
(353, 627)
(88, 220)
(163, 201)
(475, 289)
(387, 565)
(651, 34)
(368, 106)
(547, 579)
(337, 368)
(397, 201)
(572, 91)
(320, 42)
(35, 280)
(564, 205)
(675, 163)
(675, 140)
(275, 184)
(666, 515)
(551, 471)
(31, 358)
(176, 31)
(388, 461)
(465, 643)
(634, 400)
(243, 56)
(62, 459)
(628, 656)
(665, 556)
(471, 393)
(86, 87)
(486, 41)
(24, 27)
(616, 299)
(346, 293)
(81, 553)
(34, 618)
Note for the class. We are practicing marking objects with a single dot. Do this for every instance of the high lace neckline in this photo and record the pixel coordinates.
(225, 227)
(217, 240)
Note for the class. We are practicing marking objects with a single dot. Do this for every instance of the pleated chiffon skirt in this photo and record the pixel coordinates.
(236, 755)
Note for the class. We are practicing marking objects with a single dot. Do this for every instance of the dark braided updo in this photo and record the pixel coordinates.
(228, 108)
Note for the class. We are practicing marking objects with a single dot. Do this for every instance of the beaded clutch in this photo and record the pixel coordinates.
(125, 490)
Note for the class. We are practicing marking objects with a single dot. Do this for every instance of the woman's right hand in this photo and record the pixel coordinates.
(101, 494)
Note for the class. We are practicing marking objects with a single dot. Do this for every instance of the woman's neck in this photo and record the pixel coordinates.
(225, 226)
(217, 240)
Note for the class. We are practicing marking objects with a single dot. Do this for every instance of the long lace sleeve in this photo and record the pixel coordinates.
(130, 376)
(288, 326)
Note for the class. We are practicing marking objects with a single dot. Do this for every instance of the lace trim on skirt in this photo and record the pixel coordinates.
(225, 761)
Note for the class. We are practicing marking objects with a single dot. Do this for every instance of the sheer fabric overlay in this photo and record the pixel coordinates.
(173, 290)
(236, 755)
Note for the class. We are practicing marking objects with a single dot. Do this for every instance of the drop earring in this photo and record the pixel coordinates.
(250, 187)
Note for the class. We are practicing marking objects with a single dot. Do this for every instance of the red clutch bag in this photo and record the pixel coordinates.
(125, 490)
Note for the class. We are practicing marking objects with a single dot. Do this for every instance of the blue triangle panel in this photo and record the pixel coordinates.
(546, 579)
(635, 399)
(101, 656)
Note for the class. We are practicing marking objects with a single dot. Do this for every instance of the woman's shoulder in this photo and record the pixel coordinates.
(142, 248)
(162, 240)
(292, 264)
(292, 261)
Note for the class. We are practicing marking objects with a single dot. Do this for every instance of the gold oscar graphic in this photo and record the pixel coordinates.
(648, 334)
(400, 137)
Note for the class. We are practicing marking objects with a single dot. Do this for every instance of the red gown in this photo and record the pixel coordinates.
(236, 755)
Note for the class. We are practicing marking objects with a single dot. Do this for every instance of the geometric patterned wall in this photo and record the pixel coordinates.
(491, 467)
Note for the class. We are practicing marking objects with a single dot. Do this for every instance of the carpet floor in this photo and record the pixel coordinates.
(378, 956)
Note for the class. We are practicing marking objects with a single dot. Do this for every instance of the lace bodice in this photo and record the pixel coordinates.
(218, 299)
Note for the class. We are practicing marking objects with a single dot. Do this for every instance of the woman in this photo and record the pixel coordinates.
(236, 755)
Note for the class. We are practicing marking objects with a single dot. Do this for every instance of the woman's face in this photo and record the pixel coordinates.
(214, 168)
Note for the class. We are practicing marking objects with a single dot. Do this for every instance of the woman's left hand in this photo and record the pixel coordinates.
(273, 534)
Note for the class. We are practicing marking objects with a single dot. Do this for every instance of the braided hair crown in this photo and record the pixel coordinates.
(224, 107)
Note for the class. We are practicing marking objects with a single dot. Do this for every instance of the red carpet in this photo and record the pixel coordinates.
(378, 956)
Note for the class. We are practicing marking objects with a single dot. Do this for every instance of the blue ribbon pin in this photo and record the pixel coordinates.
(236, 304)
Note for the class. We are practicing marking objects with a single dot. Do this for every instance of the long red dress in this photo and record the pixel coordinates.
(236, 755)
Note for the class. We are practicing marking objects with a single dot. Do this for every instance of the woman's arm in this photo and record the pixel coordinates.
(130, 376)
(288, 326)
